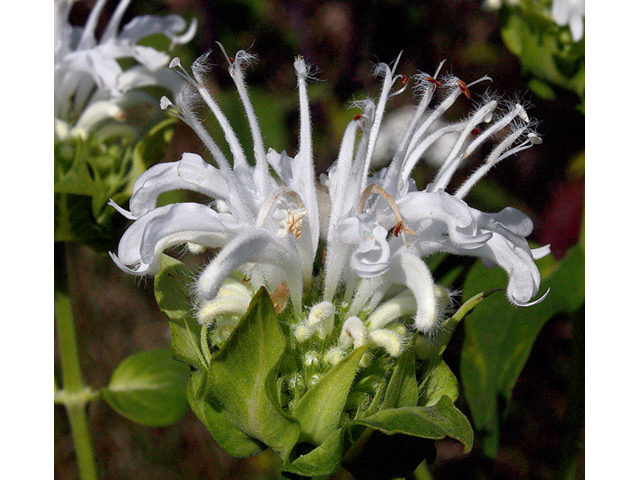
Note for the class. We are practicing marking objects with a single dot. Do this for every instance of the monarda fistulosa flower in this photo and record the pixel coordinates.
(350, 289)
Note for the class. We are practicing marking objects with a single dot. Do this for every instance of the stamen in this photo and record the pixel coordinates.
(433, 80)
(464, 89)
(292, 223)
(376, 189)
(295, 217)
(224, 52)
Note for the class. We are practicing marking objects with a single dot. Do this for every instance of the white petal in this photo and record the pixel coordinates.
(190, 173)
(150, 57)
(513, 219)
(145, 25)
(410, 270)
(391, 310)
(142, 244)
(353, 333)
(256, 246)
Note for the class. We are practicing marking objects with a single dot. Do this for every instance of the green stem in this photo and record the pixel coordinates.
(422, 472)
(74, 395)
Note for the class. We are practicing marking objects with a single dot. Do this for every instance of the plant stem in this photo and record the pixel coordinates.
(422, 472)
(74, 395)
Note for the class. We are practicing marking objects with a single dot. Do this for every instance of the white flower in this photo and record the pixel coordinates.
(420, 223)
(380, 227)
(268, 225)
(89, 80)
(570, 12)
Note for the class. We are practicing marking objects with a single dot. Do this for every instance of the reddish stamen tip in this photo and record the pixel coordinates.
(434, 81)
(464, 88)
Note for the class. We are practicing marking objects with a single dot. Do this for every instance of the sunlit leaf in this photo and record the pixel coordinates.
(242, 377)
(149, 387)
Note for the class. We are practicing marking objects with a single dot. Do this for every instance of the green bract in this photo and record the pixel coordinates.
(263, 389)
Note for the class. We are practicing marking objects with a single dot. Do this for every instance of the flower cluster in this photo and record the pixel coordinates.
(379, 228)
(90, 83)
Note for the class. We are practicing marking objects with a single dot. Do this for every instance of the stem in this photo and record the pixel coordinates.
(74, 395)
(422, 472)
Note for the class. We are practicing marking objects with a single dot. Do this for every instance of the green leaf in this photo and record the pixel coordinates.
(218, 421)
(402, 389)
(171, 288)
(499, 337)
(242, 377)
(440, 381)
(435, 422)
(149, 387)
(322, 460)
(320, 409)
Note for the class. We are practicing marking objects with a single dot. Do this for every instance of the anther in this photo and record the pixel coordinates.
(434, 81)
(463, 87)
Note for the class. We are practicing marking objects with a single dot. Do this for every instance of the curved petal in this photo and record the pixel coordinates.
(426, 207)
(145, 25)
(150, 57)
(411, 271)
(141, 246)
(256, 246)
(524, 276)
(190, 173)
(371, 258)
(511, 218)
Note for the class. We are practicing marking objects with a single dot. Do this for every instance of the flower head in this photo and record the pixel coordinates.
(379, 228)
(90, 83)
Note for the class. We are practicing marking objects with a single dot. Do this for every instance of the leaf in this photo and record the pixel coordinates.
(402, 389)
(320, 409)
(499, 337)
(440, 381)
(435, 422)
(171, 288)
(322, 460)
(149, 387)
(219, 422)
(242, 377)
